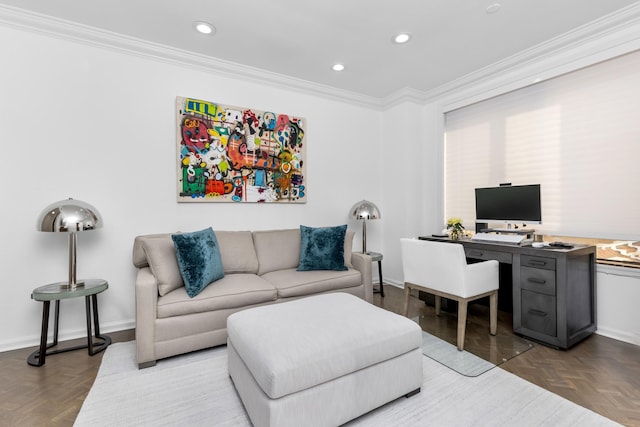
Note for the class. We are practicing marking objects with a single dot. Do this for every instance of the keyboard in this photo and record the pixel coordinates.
(510, 239)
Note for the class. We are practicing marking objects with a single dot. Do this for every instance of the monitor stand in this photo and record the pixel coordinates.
(511, 230)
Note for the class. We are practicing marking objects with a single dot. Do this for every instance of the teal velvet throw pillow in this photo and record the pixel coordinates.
(199, 259)
(322, 248)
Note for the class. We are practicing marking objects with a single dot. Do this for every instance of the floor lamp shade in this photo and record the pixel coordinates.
(69, 216)
(365, 210)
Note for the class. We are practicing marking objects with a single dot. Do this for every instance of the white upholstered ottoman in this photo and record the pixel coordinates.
(322, 360)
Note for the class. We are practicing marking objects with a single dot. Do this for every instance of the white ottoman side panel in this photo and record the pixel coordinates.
(331, 403)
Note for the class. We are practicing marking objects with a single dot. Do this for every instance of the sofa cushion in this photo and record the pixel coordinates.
(232, 291)
(280, 249)
(277, 249)
(237, 251)
(161, 257)
(199, 259)
(322, 248)
(139, 257)
(294, 283)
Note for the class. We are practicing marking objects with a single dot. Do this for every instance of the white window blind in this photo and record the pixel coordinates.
(578, 135)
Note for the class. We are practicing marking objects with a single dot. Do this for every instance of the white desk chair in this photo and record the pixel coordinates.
(441, 269)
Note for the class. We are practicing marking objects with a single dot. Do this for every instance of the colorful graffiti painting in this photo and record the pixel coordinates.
(233, 154)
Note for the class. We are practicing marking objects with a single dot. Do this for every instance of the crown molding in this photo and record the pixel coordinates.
(610, 36)
(404, 95)
(79, 33)
(607, 37)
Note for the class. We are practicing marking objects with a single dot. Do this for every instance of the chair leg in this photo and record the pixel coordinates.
(438, 304)
(407, 292)
(462, 323)
(493, 313)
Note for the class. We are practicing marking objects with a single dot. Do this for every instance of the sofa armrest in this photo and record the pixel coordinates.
(146, 313)
(362, 263)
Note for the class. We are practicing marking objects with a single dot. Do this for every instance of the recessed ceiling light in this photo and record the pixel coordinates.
(204, 28)
(338, 67)
(402, 38)
(493, 8)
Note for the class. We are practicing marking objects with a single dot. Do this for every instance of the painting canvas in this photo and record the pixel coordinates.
(238, 155)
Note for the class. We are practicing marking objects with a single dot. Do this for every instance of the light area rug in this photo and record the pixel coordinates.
(195, 390)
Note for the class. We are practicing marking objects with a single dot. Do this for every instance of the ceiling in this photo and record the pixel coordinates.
(303, 40)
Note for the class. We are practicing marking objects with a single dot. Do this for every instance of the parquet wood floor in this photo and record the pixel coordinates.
(50, 395)
(600, 374)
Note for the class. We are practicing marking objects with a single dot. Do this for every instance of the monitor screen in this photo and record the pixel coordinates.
(509, 204)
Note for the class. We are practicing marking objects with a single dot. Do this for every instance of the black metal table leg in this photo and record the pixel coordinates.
(87, 303)
(105, 340)
(56, 320)
(380, 275)
(37, 358)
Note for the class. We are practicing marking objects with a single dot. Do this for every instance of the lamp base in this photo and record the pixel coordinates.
(72, 285)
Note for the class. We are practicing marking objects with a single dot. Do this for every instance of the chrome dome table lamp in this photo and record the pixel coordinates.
(365, 210)
(70, 216)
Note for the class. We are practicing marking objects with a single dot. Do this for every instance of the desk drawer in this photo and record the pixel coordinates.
(538, 262)
(503, 257)
(539, 312)
(538, 280)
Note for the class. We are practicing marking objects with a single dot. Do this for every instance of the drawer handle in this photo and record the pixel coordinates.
(537, 312)
(536, 280)
(537, 262)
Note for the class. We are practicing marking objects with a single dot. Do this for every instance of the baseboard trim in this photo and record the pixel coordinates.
(619, 335)
(65, 335)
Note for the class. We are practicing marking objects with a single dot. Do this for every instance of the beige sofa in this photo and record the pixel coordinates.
(260, 268)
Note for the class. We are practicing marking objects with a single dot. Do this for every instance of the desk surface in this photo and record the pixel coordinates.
(547, 251)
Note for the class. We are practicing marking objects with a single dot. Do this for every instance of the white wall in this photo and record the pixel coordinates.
(99, 125)
(411, 198)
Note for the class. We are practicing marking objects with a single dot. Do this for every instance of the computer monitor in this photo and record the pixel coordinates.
(511, 204)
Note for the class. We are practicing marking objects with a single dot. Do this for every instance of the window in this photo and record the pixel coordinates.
(578, 135)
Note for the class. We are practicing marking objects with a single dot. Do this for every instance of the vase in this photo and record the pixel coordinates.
(455, 234)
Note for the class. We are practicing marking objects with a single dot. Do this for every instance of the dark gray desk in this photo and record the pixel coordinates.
(554, 290)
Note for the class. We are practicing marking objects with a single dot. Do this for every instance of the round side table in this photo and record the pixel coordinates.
(56, 292)
(377, 257)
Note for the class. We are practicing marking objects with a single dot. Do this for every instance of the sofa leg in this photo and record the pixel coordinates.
(412, 393)
(147, 364)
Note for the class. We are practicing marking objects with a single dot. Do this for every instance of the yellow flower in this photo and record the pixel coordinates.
(454, 221)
